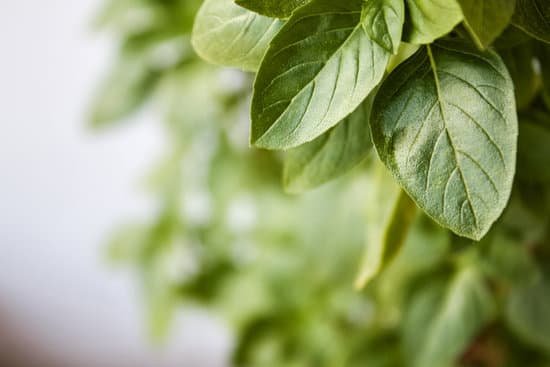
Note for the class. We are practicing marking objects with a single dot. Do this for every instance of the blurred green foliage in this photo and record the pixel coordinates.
(281, 268)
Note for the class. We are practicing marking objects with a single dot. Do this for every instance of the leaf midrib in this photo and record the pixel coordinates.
(455, 154)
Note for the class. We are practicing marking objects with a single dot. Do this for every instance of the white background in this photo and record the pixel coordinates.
(62, 189)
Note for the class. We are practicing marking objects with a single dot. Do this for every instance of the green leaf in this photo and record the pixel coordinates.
(389, 216)
(534, 147)
(385, 22)
(226, 34)
(442, 321)
(527, 313)
(127, 87)
(486, 19)
(444, 123)
(318, 69)
(533, 16)
(272, 8)
(519, 62)
(330, 155)
(428, 20)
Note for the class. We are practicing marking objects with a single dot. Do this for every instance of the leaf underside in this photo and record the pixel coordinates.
(444, 123)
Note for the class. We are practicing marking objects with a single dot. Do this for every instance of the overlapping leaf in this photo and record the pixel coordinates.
(318, 69)
(444, 122)
(226, 34)
(272, 8)
(430, 19)
(389, 217)
(332, 154)
(533, 16)
(486, 19)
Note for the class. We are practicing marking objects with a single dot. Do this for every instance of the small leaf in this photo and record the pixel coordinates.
(332, 154)
(389, 216)
(430, 19)
(272, 8)
(527, 313)
(226, 34)
(444, 123)
(442, 321)
(533, 16)
(519, 62)
(486, 19)
(385, 19)
(318, 69)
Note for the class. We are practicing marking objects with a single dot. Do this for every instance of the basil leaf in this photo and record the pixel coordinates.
(272, 8)
(385, 19)
(444, 123)
(486, 19)
(318, 69)
(229, 35)
(332, 154)
(533, 16)
(441, 320)
(428, 20)
(527, 313)
(389, 216)
(519, 62)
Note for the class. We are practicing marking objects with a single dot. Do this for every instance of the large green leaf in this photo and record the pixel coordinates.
(389, 216)
(430, 19)
(486, 19)
(443, 319)
(527, 313)
(519, 62)
(318, 69)
(272, 8)
(444, 122)
(226, 34)
(332, 154)
(533, 16)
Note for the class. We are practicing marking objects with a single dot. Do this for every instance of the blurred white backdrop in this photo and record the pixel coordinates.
(62, 189)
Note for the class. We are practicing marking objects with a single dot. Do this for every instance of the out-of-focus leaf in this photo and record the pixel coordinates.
(534, 147)
(330, 155)
(443, 319)
(390, 213)
(543, 56)
(533, 16)
(227, 34)
(129, 85)
(519, 62)
(527, 313)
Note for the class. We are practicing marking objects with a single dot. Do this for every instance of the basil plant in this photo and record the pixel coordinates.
(356, 183)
